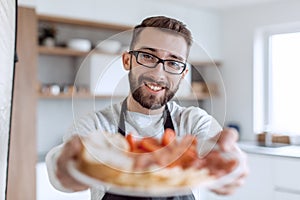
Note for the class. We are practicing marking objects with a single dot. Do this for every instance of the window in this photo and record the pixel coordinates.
(277, 80)
(284, 79)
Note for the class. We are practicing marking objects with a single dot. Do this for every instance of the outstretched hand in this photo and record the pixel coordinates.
(70, 152)
(227, 142)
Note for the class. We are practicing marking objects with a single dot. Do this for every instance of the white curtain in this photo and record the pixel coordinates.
(7, 43)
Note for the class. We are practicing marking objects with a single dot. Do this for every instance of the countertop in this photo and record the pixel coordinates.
(284, 150)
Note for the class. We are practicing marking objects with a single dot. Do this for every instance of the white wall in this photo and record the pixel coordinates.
(238, 27)
(27, 3)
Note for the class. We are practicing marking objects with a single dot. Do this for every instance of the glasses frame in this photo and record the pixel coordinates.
(136, 53)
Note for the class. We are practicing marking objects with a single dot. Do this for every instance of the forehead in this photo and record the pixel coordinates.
(162, 40)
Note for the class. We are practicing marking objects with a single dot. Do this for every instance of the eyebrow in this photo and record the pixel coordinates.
(155, 50)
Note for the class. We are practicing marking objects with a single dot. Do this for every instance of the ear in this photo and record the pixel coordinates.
(126, 60)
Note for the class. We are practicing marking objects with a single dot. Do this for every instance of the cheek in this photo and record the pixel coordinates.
(136, 73)
(139, 70)
(175, 81)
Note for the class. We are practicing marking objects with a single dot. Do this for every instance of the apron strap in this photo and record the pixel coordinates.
(121, 125)
(167, 115)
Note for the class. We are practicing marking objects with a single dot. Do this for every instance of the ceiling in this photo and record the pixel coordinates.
(221, 4)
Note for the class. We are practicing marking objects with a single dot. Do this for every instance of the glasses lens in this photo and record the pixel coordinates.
(146, 59)
(174, 67)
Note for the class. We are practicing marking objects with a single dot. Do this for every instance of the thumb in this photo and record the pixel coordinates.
(73, 147)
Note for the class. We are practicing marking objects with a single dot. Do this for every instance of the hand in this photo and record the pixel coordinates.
(227, 142)
(70, 152)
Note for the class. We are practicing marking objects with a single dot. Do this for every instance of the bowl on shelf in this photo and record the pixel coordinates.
(79, 44)
(109, 46)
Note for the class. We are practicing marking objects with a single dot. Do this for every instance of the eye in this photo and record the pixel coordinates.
(147, 57)
(175, 65)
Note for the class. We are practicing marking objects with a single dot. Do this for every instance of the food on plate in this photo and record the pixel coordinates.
(167, 162)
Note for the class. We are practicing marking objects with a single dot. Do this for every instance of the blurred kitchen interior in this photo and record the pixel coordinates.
(232, 36)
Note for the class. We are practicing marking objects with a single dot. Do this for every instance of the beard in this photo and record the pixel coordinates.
(145, 99)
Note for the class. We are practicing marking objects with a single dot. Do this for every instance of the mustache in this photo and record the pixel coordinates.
(146, 79)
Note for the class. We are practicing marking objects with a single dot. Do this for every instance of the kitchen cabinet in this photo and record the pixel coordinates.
(286, 178)
(270, 177)
(286, 195)
(258, 184)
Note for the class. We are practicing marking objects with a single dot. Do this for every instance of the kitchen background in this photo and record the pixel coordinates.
(224, 36)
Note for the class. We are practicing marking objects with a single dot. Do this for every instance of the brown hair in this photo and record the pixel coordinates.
(166, 24)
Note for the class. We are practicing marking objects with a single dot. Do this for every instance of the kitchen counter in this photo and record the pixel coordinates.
(284, 150)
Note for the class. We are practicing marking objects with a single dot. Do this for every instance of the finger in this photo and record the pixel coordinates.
(73, 147)
(223, 191)
(69, 182)
(237, 183)
(230, 188)
(70, 151)
(227, 139)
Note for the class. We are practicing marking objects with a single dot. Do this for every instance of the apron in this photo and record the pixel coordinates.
(121, 129)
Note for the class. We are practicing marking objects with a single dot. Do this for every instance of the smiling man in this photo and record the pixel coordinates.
(157, 64)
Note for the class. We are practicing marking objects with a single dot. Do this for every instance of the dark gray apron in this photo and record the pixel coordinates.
(121, 129)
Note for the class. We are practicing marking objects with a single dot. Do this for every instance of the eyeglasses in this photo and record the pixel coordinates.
(151, 61)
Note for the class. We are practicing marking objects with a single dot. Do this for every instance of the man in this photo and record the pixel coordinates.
(157, 64)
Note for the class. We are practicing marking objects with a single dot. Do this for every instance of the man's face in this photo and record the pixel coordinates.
(154, 87)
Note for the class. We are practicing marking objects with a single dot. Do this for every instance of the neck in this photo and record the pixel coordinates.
(134, 106)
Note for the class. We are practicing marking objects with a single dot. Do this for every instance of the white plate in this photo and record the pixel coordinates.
(132, 191)
(157, 191)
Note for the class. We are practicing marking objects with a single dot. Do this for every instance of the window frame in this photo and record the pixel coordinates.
(262, 81)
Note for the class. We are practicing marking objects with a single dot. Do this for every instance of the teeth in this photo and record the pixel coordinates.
(154, 87)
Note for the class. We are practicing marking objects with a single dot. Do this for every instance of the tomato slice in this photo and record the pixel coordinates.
(181, 153)
(132, 143)
(168, 136)
(150, 144)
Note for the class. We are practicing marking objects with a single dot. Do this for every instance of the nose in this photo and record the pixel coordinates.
(158, 73)
(159, 67)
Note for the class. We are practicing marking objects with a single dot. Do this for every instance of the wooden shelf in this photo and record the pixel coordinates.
(64, 51)
(85, 23)
(61, 51)
(77, 96)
